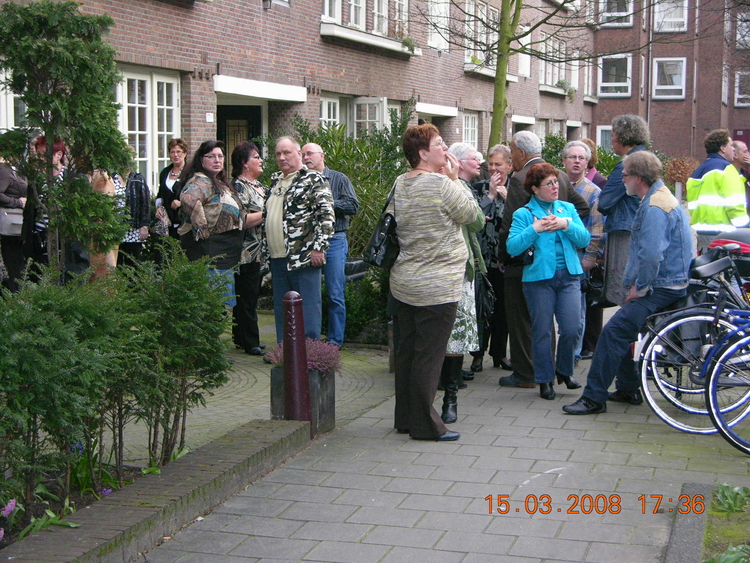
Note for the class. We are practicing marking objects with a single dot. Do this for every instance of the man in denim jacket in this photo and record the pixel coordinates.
(657, 275)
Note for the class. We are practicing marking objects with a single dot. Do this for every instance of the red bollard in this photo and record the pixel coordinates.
(296, 383)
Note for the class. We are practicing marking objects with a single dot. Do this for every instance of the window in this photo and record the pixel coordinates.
(368, 115)
(380, 17)
(614, 76)
(437, 35)
(553, 70)
(332, 10)
(588, 79)
(401, 18)
(541, 129)
(670, 15)
(669, 79)
(724, 83)
(471, 129)
(604, 137)
(742, 89)
(481, 33)
(743, 31)
(616, 13)
(149, 118)
(329, 112)
(643, 77)
(356, 16)
(575, 67)
(524, 59)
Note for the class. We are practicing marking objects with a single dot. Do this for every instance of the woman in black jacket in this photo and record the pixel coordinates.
(169, 188)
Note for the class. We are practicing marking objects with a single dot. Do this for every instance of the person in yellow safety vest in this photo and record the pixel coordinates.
(716, 192)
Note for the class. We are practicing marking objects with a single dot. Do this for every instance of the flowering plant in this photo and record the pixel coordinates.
(322, 356)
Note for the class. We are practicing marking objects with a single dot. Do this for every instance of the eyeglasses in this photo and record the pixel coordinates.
(626, 174)
(573, 157)
(440, 144)
(475, 158)
(176, 152)
(550, 184)
(214, 156)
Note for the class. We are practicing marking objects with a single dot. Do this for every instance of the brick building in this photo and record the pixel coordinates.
(235, 69)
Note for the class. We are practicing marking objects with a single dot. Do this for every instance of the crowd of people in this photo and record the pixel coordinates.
(494, 255)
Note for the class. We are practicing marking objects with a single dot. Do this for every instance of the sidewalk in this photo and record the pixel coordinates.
(366, 494)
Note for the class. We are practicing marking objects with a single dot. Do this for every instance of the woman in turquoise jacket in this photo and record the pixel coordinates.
(552, 282)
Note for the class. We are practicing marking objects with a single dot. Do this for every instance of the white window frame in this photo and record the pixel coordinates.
(575, 71)
(677, 90)
(471, 128)
(401, 18)
(11, 108)
(332, 11)
(643, 77)
(377, 122)
(742, 32)
(615, 19)
(604, 136)
(664, 22)
(439, 15)
(380, 17)
(328, 118)
(741, 100)
(151, 154)
(603, 91)
(524, 59)
(357, 13)
(588, 78)
(551, 72)
(724, 83)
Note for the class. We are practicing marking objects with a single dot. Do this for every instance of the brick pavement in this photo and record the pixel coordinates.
(366, 494)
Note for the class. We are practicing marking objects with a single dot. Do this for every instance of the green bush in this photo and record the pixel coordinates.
(552, 149)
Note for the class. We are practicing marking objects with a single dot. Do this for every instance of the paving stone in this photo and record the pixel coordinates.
(219, 543)
(199, 558)
(565, 550)
(413, 555)
(468, 542)
(606, 553)
(339, 552)
(596, 532)
(261, 547)
(259, 526)
(451, 522)
(459, 459)
(386, 516)
(352, 466)
(420, 486)
(296, 476)
(316, 512)
(404, 537)
(256, 506)
(371, 498)
(403, 470)
(307, 493)
(533, 527)
(435, 503)
(332, 531)
(460, 474)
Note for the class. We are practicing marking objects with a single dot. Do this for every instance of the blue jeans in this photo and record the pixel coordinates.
(335, 285)
(559, 297)
(612, 357)
(306, 282)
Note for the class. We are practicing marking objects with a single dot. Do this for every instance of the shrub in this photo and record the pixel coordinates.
(324, 357)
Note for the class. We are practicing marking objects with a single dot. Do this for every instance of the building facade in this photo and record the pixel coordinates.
(237, 69)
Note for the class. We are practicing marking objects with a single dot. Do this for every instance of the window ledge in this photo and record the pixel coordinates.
(590, 100)
(473, 68)
(332, 29)
(551, 90)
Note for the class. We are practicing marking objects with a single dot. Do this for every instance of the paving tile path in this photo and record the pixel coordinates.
(364, 493)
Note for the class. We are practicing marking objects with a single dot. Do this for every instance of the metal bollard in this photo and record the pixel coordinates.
(296, 383)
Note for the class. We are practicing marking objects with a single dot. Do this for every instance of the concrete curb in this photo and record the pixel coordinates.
(136, 518)
(688, 530)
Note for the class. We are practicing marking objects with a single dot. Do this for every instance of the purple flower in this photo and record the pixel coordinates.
(9, 508)
(105, 492)
(2, 534)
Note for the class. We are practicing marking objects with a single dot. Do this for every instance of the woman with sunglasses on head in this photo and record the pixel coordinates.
(552, 282)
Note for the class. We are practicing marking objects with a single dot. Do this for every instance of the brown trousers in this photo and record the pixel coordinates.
(423, 337)
(519, 326)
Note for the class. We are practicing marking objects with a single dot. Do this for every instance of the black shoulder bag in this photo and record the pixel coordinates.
(383, 248)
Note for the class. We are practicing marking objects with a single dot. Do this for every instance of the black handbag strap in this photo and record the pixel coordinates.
(388, 201)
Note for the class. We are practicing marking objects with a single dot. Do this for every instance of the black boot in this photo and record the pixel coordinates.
(445, 375)
(450, 399)
(476, 365)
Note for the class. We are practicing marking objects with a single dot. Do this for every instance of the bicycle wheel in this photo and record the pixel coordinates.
(671, 364)
(728, 393)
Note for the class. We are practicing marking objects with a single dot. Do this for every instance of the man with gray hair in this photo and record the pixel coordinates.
(525, 150)
(656, 275)
(575, 156)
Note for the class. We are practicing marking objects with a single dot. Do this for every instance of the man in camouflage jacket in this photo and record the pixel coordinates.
(297, 225)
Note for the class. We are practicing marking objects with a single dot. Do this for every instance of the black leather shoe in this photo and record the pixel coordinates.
(467, 375)
(568, 380)
(501, 363)
(513, 381)
(262, 346)
(546, 391)
(449, 436)
(633, 397)
(587, 354)
(255, 351)
(584, 405)
(476, 365)
(402, 430)
(462, 385)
